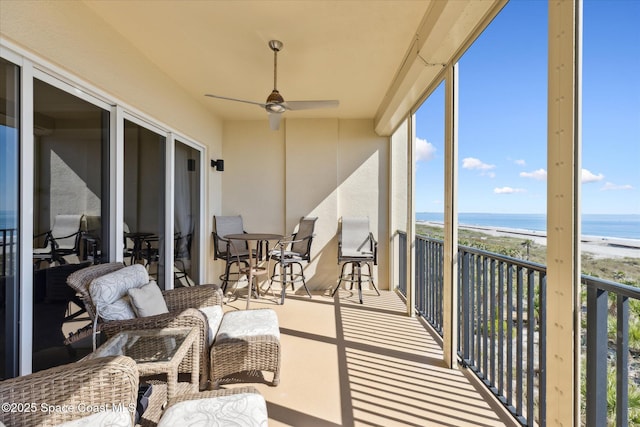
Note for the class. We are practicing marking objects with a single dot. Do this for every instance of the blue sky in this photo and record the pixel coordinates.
(502, 115)
(8, 162)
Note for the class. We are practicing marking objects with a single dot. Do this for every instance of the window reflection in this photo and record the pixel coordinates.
(144, 199)
(9, 185)
(70, 137)
(186, 211)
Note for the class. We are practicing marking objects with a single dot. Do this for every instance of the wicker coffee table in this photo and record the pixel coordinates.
(158, 351)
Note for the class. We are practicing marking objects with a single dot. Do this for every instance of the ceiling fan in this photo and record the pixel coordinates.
(275, 103)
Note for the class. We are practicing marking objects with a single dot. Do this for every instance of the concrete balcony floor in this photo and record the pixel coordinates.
(346, 364)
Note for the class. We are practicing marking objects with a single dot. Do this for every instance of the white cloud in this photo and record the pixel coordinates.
(538, 175)
(520, 162)
(508, 190)
(424, 150)
(588, 176)
(611, 186)
(476, 164)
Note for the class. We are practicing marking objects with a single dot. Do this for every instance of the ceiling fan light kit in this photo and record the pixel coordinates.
(275, 104)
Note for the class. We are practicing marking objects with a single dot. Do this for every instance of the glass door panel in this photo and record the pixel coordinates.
(9, 187)
(70, 215)
(144, 199)
(186, 215)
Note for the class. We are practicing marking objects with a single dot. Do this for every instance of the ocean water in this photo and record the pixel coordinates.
(8, 219)
(621, 226)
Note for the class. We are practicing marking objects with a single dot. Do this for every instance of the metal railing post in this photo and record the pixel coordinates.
(596, 398)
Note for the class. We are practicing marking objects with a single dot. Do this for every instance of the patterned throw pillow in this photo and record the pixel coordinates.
(109, 292)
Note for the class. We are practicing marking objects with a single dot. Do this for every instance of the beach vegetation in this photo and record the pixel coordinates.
(634, 335)
(621, 270)
(633, 400)
(633, 397)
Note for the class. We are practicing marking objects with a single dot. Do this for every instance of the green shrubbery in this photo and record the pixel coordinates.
(621, 270)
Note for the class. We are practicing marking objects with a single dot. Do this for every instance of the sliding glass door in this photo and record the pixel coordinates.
(186, 215)
(144, 198)
(70, 211)
(9, 214)
(88, 183)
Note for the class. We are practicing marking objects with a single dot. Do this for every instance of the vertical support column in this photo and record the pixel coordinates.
(116, 176)
(25, 239)
(169, 208)
(411, 217)
(563, 214)
(450, 273)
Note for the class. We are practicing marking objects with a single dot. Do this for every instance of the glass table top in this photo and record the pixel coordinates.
(145, 346)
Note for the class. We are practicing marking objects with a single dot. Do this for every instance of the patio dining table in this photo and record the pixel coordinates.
(138, 237)
(253, 270)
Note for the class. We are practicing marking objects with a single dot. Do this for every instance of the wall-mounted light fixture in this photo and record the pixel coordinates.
(218, 164)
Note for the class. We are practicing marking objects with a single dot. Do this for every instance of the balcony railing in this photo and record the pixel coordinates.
(502, 330)
(8, 240)
(598, 348)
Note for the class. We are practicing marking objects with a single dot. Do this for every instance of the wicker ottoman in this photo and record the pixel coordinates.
(242, 406)
(247, 340)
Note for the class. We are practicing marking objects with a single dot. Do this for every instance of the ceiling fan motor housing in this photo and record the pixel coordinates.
(274, 102)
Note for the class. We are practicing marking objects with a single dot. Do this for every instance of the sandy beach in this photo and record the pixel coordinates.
(598, 246)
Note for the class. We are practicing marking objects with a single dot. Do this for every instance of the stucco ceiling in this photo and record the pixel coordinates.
(349, 50)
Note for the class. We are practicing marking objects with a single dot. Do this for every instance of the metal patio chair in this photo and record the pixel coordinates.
(356, 247)
(63, 239)
(292, 251)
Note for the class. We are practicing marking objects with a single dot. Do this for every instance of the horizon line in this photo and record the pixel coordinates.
(526, 213)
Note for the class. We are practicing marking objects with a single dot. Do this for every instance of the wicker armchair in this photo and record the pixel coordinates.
(109, 385)
(79, 387)
(183, 304)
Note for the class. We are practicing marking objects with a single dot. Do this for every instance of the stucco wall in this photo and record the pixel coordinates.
(70, 36)
(327, 168)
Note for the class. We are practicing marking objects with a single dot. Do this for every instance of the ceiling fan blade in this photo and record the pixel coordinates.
(274, 120)
(309, 105)
(235, 99)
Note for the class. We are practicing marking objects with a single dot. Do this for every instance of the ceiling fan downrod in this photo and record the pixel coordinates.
(276, 46)
(274, 100)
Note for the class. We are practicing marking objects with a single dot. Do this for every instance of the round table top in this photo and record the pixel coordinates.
(254, 236)
(138, 234)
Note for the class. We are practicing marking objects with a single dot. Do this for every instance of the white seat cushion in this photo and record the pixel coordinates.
(112, 418)
(242, 410)
(214, 318)
(249, 323)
